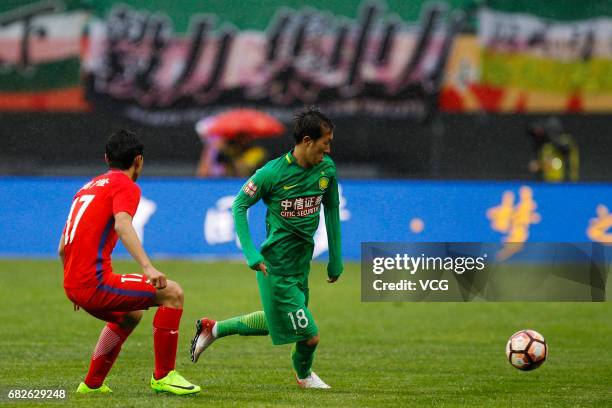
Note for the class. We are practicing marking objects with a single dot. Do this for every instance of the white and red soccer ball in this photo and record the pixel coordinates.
(526, 350)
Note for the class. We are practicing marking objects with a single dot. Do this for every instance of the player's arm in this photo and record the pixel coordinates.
(127, 234)
(331, 208)
(252, 191)
(60, 249)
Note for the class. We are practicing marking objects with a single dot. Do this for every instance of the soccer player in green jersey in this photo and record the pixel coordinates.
(293, 187)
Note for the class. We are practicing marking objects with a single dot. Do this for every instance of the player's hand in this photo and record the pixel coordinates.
(332, 280)
(262, 267)
(157, 278)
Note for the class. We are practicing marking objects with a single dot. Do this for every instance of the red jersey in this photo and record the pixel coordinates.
(89, 234)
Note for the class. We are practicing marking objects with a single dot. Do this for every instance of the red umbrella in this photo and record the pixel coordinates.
(246, 122)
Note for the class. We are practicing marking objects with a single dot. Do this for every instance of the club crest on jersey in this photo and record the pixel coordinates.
(250, 188)
(323, 183)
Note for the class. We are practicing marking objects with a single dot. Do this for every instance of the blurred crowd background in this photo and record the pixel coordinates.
(454, 89)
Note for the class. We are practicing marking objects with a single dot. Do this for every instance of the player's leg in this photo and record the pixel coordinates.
(252, 324)
(304, 351)
(303, 357)
(208, 330)
(103, 302)
(165, 327)
(134, 292)
(120, 325)
(165, 340)
(118, 300)
(285, 301)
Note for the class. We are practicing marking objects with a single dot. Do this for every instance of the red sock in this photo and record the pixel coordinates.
(106, 352)
(165, 339)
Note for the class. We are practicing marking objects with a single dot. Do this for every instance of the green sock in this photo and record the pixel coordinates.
(253, 324)
(302, 357)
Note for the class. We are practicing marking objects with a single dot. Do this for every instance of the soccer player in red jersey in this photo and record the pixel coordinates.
(101, 212)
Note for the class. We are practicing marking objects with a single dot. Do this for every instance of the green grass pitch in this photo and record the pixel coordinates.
(372, 354)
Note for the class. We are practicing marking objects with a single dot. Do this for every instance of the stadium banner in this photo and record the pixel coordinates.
(375, 63)
(524, 63)
(468, 271)
(164, 64)
(40, 44)
(187, 218)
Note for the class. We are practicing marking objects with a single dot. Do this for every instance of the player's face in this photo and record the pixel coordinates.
(317, 149)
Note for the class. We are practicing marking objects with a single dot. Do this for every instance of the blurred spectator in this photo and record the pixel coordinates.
(223, 157)
(557, 155)
(229, 158)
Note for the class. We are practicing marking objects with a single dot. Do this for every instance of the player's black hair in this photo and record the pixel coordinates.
(122, 148)
(310, 122)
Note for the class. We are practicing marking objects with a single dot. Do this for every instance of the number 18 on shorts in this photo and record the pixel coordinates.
(284, 300)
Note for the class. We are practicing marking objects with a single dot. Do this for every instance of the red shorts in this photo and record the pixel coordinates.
(115, 296)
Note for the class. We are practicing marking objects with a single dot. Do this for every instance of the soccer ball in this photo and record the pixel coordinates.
(526, 350)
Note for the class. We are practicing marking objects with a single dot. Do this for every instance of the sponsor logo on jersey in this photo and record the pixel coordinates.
(98, 183)
(323, 183)
(300, 207)
(289, 187)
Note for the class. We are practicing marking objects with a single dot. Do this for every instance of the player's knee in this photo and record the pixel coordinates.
(180, 296)
(174, 294)
(313, 341)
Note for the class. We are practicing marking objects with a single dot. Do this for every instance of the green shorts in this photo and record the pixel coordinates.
(285, 303)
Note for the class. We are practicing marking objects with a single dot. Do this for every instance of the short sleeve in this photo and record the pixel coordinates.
(126, 198)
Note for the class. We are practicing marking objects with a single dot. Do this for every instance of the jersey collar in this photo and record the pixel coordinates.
(290, 157)
(118, 171)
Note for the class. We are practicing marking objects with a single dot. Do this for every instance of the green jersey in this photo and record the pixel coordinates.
(293, 196)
